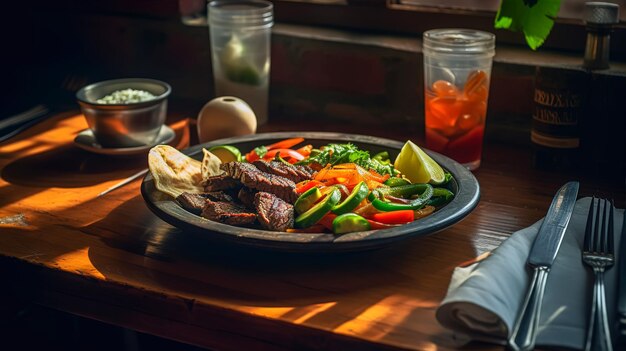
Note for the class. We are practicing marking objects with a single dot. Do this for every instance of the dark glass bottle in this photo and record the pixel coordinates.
(563, 98)
(558, 105)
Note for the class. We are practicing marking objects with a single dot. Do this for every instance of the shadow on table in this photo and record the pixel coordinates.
(186, 264)
(67, 167)
(62, 167)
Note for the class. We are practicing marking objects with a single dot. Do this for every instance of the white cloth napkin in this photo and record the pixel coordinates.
(483, 299)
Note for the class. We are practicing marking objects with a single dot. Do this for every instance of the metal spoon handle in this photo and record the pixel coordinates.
(124, 182)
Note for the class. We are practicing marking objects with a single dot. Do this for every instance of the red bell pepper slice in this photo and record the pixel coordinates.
(283, 144)
(252, 156)
(293, 155)
(305, 150)
(327, 221)
(306, 185)
(394, 217)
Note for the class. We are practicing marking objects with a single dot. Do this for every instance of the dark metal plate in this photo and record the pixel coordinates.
(464, 185)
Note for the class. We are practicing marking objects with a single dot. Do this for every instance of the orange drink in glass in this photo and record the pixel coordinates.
(457, 65)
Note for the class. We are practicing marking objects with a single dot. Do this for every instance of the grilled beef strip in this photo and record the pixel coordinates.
(218, 196)
(272, 212)
(221, 182)
(246, 196)
(228, 213)
(295, 173)
(193, 203)
(253, 178)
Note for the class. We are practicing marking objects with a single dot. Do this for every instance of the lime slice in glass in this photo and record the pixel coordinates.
(235, 64)
(417, 166)
(242, 73)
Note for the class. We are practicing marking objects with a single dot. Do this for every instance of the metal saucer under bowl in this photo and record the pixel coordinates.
(86, 141)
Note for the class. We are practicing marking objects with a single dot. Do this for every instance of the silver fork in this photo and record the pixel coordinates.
(598, 253)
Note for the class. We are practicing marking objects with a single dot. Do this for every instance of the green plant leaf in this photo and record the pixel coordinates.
(534, 18)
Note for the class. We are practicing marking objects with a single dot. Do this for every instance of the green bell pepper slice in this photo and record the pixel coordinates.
(307, 200)
(358, 194)
(280, 159)
(396, 181)
(404, 191)
(441, 196)
(415, 204)
(350, 222)
(382, 157)
(319, 210)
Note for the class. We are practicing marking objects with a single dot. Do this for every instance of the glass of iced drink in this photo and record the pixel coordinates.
(457, 70)
(240, 32)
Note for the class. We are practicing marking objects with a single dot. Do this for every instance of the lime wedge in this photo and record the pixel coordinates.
(226, 153)
(417, 166)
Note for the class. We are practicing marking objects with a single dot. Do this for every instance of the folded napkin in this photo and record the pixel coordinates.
(483, 299)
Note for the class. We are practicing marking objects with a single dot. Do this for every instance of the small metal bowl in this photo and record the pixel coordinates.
(125, 125)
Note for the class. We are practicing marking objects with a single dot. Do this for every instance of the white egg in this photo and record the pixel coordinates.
(224, 117)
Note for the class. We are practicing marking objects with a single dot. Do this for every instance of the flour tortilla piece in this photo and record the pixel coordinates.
(210, 165)
(174, 172)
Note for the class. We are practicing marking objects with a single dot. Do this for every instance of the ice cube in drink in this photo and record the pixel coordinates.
(455, 119)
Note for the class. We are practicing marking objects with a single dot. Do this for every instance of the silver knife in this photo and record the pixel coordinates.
(621, 302)
(542, 255)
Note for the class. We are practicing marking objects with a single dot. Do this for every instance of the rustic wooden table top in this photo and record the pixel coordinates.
(111, 259)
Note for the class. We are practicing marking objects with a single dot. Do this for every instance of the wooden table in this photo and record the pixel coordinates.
(109, 258)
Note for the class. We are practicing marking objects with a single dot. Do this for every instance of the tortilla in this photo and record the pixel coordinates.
(210, 165)
(175, 172)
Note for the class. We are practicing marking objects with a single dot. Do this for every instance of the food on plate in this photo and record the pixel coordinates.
(253, 178)
(272, 212)
(358, 194)
(417, 166)
(228, 212)
(334, 154)
(210, 164)
(226, 153)
(350, 222)
(174, 172)
(337, 188)
(195, 202)
(282, 149)
(314, 214)
(126, 96)
(221, 182)
(307, 200)
(295, 173)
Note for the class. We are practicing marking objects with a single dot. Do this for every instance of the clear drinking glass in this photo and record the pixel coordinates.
(240, 33)
(457, 71)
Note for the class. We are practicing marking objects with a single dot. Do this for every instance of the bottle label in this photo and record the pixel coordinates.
(555, 118)
(558, 142)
